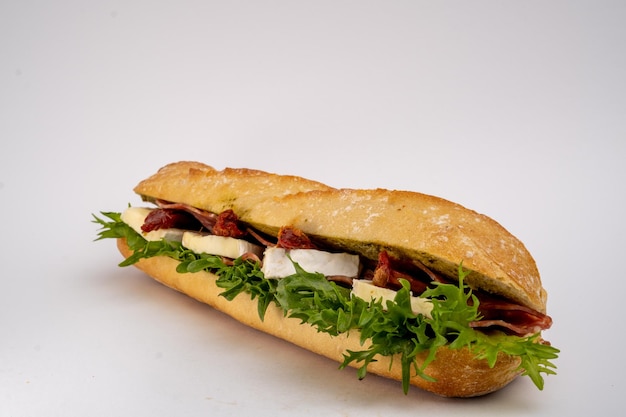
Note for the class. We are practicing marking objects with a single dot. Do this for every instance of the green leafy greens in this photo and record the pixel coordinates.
(387, 330)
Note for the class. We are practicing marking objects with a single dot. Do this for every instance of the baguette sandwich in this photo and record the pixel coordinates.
(399, 284)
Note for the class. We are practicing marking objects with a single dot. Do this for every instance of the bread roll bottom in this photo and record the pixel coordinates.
(457, 372)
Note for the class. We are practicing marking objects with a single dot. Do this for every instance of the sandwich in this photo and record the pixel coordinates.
(399, 284)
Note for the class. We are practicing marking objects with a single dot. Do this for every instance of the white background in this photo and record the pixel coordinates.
(514, 109)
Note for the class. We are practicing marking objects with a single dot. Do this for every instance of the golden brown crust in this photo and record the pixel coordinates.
(204, 187)
(458, 374)
(439, 233)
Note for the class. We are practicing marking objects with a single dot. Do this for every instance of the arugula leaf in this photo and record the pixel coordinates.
(314, 300)
(246, 277)
(536, 357)
(387, 330)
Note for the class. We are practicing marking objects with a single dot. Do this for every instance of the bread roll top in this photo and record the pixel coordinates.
(409, 225)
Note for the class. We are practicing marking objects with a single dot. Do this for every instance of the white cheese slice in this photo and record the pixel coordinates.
(229, 247)
(367, 291)
(276, 262)
(135, 217)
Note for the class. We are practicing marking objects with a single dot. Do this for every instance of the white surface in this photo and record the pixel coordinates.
(515, 109)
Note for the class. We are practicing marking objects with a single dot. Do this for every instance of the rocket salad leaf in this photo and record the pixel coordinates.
(385, 330)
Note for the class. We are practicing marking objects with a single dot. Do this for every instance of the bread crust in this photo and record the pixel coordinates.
(457, 373)
(437, 232)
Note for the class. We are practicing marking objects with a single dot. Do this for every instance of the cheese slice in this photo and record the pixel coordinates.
(229, 247)
(276, 262)
(367, 291)
(135, 217)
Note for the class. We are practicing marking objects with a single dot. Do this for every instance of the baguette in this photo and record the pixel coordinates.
(410, 226)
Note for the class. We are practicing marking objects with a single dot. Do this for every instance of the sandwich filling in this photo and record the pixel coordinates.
(223, 235)
(214, 242)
